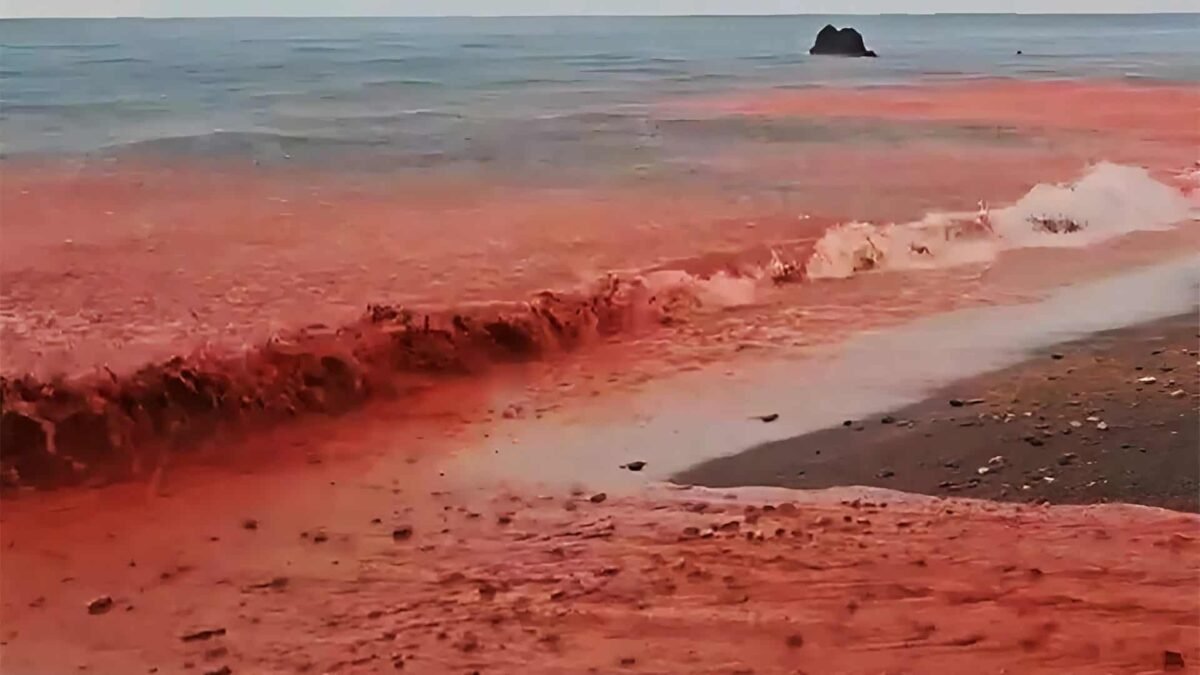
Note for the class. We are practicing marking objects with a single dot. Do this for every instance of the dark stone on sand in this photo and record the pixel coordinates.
(888, 419)
(768, 418)
(597, 498)
(848, 423)
(1172, 660)
(845, 42)
(1067, 458)
(634, 466)
(249, 524)
(402, 533)
(100, 605)
(886, 473)
(202, 634)
(957, 403)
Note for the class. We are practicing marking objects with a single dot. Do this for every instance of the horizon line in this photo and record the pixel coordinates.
(579, 16)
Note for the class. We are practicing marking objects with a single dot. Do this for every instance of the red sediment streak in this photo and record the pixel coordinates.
(111, 427)
(1154, 112)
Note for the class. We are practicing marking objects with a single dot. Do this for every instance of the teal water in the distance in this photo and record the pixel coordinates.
(516, 94)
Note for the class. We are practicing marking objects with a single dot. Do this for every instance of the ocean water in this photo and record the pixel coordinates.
(206, 184)
(537, 97)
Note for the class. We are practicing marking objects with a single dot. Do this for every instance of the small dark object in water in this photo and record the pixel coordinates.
(634, 466)
(1059, 225)
(844, 42)
(767, 418)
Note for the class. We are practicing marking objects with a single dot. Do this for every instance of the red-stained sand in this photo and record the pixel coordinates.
(500, 583)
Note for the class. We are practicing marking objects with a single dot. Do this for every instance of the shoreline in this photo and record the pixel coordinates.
(1072, 423)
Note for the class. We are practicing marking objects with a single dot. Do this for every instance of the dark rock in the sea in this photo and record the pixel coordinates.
(634, 466)
(844, 42)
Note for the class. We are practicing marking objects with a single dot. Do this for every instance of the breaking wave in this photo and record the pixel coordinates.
(1109, 200)
(111, 426)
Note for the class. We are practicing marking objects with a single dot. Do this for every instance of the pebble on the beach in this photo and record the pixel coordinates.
(1149, 379)
(100, 605)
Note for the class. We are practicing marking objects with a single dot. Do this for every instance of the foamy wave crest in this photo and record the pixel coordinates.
(1108, 201)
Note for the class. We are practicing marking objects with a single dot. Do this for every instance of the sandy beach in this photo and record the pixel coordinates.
(1112, 418)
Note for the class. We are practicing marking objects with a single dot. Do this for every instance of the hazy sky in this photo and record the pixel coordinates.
(163, 8)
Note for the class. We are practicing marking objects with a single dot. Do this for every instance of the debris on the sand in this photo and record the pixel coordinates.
(402, 533)
(983, 470)
(771, 417)
(974, 401)
(277, 584)
(1056, 356)
(100, 605)
(886, 473)
(1178, 393)
(202, 634)
(1172, 660)
(1076, 424)
(998, 460)
(1103, 426)
(320, 538)
(1093, 418)
(957, 402)
(888, 419)
(1149, 379)
(1067, 458)
(249, 524)
(795, 641)
(223, 670)
(512, 412)
(597, 498)
(634, 466)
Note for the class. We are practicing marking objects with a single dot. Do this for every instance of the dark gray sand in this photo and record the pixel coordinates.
(1071, 426)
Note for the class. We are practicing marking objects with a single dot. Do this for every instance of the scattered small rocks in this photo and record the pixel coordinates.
(101, 605)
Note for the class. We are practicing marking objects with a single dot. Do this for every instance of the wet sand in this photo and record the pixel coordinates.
(361, 575)
(1072, 425)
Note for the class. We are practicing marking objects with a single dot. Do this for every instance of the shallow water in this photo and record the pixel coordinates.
(686, 418)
